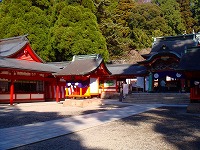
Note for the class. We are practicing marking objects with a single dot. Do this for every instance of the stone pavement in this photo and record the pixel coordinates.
(31, 133)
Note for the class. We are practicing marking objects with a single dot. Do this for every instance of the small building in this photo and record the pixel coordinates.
(84, 76)
(125, 73)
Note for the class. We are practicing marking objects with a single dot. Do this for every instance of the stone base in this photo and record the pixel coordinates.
(193, 108)
(110, 95)
(82, 102)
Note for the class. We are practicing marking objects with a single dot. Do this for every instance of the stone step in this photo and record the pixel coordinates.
(170, 98)
(150, 102)
(154, 95)
(167, 98)
(158, 102)
(157, 99)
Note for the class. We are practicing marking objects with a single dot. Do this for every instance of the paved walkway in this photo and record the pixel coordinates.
(31, 133)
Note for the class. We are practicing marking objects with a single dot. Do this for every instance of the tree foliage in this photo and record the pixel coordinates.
(195, 9)
(186, 14)
(114, 26)
(146, 21)
(25, 17)
(172, 14)
(76, 32)
(59, 29)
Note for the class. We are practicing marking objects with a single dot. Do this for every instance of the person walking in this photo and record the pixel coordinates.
(162, 84)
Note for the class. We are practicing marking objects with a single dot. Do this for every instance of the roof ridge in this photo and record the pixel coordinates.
(176, 37)
(90, 56)
(16, 37)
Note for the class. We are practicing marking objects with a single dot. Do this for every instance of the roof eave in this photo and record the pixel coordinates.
(26, 70)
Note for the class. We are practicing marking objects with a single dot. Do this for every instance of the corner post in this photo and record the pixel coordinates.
(11, 92)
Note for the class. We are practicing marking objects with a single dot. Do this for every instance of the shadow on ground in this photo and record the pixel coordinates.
(15, 117)
(175, 125)
(12, 116)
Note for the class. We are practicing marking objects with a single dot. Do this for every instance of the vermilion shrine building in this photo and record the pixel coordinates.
(163, 61)
(24, 77)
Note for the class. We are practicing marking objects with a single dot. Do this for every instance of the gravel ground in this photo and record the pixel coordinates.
(22, 114)
(164, 128)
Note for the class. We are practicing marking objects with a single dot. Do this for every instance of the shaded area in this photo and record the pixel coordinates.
(12, 116)
(72, 142)
(16, 117)
(176, 126)
(170, 127)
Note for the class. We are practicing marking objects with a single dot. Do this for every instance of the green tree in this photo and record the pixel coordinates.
(57, 29)
(76, 32)
(113, 18)
(172, 15)
(195, 8)
(101, 6)
(85, 3)
(16, 18)
(186, 14)
(146, 21)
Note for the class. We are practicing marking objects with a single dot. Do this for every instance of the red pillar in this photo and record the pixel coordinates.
(11, 92)
(57, 91)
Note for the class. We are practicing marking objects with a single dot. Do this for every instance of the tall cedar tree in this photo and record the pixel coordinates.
(113, 20)
(195, 8)
(146, 21)
(186, 14)
(171, 13)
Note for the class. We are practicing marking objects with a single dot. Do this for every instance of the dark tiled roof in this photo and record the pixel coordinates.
(171, 45)
(10, 63)
(61, 64)
(177, 44)
(190, 61)
(81, 65)
(126, 69)
(11, 46)
(160, 54)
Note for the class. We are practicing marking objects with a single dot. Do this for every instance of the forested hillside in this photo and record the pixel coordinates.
(59, 29)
